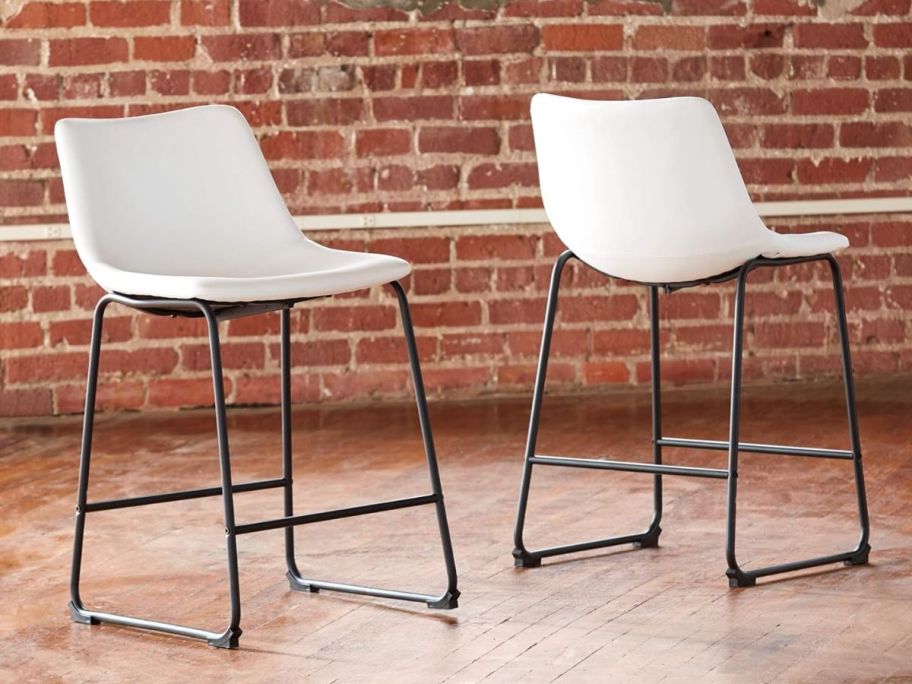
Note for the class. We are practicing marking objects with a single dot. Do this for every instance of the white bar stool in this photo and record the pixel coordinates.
(177, 214)
(649, 191)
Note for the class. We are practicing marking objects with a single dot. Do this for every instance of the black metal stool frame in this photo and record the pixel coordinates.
(214, 313)
(738, 577)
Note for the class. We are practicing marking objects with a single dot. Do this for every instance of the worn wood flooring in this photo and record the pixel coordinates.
(651, 615)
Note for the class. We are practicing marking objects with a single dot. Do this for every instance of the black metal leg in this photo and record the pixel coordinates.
(736, 575)
(77, 610)
(651, 537)
(288, 501)
(449, 598)
(227, 638)
(863, 549)
(522, 557)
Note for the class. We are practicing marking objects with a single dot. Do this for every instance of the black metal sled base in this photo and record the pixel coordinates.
(738, 577)
(213, 313)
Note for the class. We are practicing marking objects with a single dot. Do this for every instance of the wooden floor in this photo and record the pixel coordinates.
(650, 615)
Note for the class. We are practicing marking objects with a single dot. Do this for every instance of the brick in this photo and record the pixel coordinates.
(893, 100)
(892, 169)
(85, 51)
(832, 170)
(605, 373)
(669, 38)
(527, 70)
(79, 332)
(459, 139)
(20, 52)
(867, 134)
(13, 298)
(727, 68)
(130, 14)
(21, 193)
(205, 12)
(783, 8)
(649, 69)
(754, 36)
(112, 396)
(413, 108)
(164, 49)
(182, 392)
(748, 101)
(439, 177)
(383, 142)
(26, 402)
(478, 107)
(33, 263)
(830, 36)
(471, 344)
(489, 176)
(705, 8)
(324, 111)
(767, 66)
(347, 43)
(687, 305)
(235, 355)
(278, 12)
(830, 101)
(360, 318)
(447, 379)
(303, 145)
(688, 69)
(310, 44)
(883, 7)
(844, 67)
(447, 314)
(497, 247)
(391, 350)
(882, 68)
(127, 83)
(797, 136)
(339, 181)
(238, 47)
(413, 41)
(543, 8)
(582, 37)
(20, 335)
(484, 40)
(42, 368)
(47, 15)
(893, 35)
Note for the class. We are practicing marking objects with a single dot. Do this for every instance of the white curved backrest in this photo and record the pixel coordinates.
(636, 188)
(181, 193)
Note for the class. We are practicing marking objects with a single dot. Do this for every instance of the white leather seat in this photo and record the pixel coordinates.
(649, 190)
(182, 205)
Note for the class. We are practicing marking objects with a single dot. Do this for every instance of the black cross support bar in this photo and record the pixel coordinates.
(718, 445)
(294, 520)
(181, 496)
(629, 466)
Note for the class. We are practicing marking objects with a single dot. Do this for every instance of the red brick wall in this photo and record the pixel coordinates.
(379, 109)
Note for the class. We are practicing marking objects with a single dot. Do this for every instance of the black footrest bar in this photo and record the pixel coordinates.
(323, 516)
(629, 466)
(750, 447)
(181, 496)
